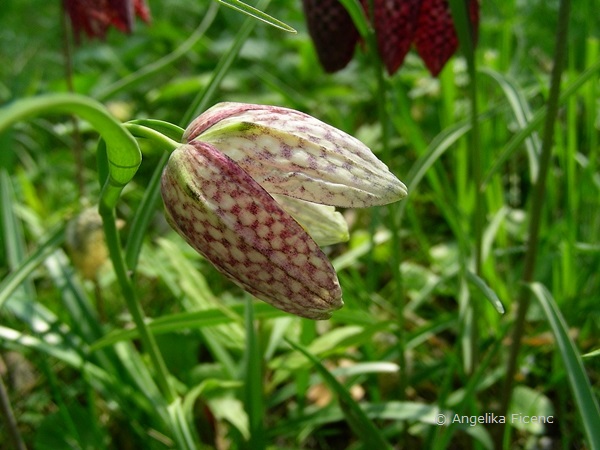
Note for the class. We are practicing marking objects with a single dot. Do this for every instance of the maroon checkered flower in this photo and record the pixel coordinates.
(252, 189)
(332, 32)
(398, 23)
(95, 17)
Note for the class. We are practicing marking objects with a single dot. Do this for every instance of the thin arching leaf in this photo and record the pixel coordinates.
(257, 14)
(583, 393)
(354, 414)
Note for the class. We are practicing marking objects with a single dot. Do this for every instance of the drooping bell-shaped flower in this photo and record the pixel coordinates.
(435, 37)
(332, 31)
(95, 17)
(398, 24)
(253, 188)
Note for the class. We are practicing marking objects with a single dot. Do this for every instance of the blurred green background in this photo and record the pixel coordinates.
(417, 336)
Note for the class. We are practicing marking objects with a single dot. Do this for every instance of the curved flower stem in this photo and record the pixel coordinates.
(536, 205)
(123, 153)
(147, 129)
(119, 157)
(139, 130)
(130, 296)
(172, 404)
(123, 269)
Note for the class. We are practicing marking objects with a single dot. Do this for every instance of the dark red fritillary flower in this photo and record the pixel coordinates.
(95, 17)
(398, 24)
(332, 31)
(436, 39)
(395, 25)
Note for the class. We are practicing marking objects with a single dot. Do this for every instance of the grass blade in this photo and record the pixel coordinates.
(188, 320)
(583, 393)
(257, 14)
(536, 120)
(522, 113)
(17, 277)
(356, 417)
(489, 294)
(203, 98)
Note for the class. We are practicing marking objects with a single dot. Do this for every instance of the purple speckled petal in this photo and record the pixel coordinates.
(232, 221)
(291, 153)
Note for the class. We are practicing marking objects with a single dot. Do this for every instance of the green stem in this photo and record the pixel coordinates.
(253, 382)
(536, 205)
(465, 32)
(479, 213)
(10, 423)
(130, 296)
(145, 132)
(476, 165)
(119, 159)
(124, 156)
(393, 219)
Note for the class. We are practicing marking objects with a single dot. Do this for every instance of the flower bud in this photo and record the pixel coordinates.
(252, 189)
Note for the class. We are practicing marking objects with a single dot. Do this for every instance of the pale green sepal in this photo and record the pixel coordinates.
(323, 223)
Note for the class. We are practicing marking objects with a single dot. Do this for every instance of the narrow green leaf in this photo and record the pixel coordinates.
(257, 14)
(489, 294)
(110, 384)
(593, 354)
(536, 120)
(180, 426)
(188, 320)
(522, 113)
(370, 436)
(435, 150)
(583, 393)
(357, 14)
(17, 277)
(12, 231)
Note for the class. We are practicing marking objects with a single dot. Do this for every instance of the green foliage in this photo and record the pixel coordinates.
(159, 351)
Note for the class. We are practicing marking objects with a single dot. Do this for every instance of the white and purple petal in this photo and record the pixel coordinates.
(231, 220)
(291, 153)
